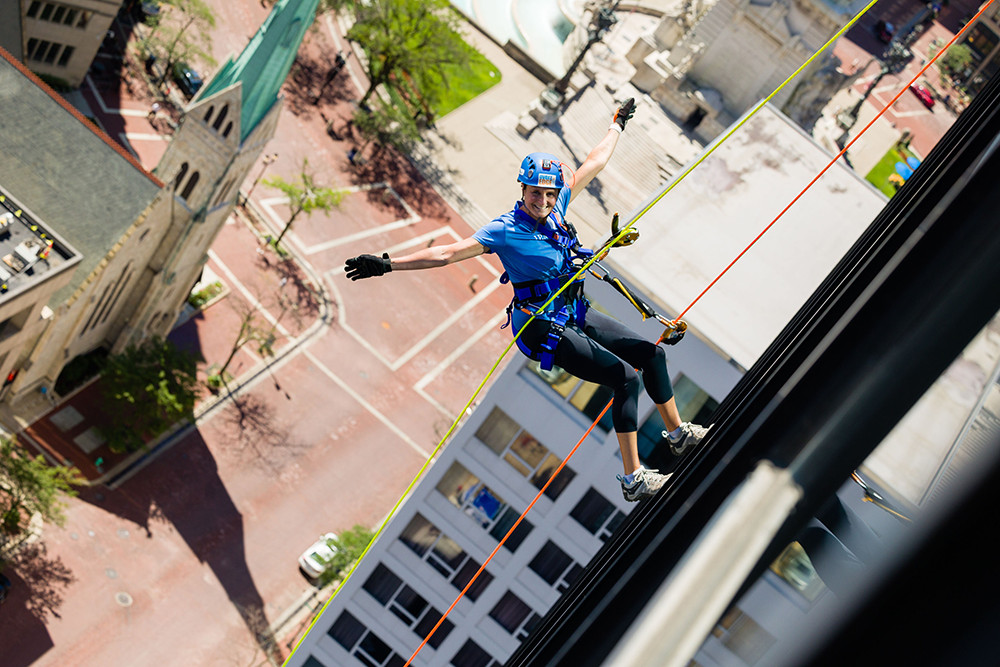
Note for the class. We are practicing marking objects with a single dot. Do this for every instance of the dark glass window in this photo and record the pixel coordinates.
(84, 19)
(510, 612)
(347, 630)
(32, 43)
(447, 556)
(180, 175)
(208, 114)
(375, 647)
(408, 605)
(313, 662)
(419, 535)
(550, 562)
(33, 9)
(529, 626)
(43, 46)
(58, 15)
(66, 55)
(189, 188)
(50, 57)
(557, 486)
(498, 430)
(465, 575)
(471, 655)
(592, 510)
(382, 584)
(427, 623)
(221, 117)
(70, 17)
(229, 128)
(47, 12)
(504, 523)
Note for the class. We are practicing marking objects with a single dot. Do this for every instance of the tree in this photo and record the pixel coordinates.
(147, 388)
(181, 35)
(29, 485)
(956, 61)
(350, 544)
(386, 126)
(401, 36)
(249, 330)
(304, 196)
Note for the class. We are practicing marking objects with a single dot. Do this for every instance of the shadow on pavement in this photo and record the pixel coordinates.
(184, 490)
(385, 164)
(37, 585)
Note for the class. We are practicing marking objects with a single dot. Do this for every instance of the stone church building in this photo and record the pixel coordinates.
(96, 251)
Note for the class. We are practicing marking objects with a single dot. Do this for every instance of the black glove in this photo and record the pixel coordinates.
(367, 266)
(624, 112)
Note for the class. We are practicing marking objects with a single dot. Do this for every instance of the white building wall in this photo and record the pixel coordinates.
(556, 424)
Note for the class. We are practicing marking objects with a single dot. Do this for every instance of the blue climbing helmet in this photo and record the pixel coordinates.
(543, 170)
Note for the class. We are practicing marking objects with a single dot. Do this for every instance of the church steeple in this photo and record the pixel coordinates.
(265, 62)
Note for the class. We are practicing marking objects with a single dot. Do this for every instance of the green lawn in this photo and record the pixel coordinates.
(464, 83)
(879, 175)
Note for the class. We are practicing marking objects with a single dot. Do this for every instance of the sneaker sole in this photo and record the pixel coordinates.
(679, 451)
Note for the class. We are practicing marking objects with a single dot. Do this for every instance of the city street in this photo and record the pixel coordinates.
(192, 559)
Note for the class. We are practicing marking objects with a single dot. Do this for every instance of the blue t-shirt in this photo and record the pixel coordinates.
(527, 255)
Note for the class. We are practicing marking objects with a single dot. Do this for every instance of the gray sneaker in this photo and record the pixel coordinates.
(691, 436)
(645, 484)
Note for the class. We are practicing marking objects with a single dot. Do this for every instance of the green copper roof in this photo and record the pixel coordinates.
(264, 63)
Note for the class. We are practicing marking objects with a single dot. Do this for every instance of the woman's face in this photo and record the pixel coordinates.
(539, 202)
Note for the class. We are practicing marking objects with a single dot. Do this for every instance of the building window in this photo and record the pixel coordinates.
(180, 175)
(189, 188)
(483, 505)
(587, 397)
(32, 44)
(33, 9)
(362, 643)
(794, 566)
(410, 608)
(743, 636)
(66, 55)
(515, 616)
(694, 405)
(84, 19)
(597, 514)
(445, 556)
(229, 128)
(47, 12)
(60, 12)
(43, 46)
(313, 662)
(472, 655)
(70, 17)
(221, 117)
(523, 452)
(208, 115)
(555, 567)
(50, 57)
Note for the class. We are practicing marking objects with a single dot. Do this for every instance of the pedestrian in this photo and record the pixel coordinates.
(537, 247)
(151, 116)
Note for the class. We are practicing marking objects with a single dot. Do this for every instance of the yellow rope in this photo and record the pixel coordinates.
(624, 231)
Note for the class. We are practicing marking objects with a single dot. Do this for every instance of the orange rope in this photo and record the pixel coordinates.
(745, 250)
(839, 155)
(509, 533)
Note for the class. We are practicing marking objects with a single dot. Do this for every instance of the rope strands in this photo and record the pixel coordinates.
(616, 238)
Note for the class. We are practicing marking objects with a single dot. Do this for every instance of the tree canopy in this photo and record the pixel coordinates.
(29, 485)
(350, 545)
(305, 195)
(147, 388)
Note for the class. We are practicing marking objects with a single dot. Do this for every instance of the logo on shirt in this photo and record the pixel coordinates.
(546, 180)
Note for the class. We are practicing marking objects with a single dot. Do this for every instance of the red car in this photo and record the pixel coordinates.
(923, 94)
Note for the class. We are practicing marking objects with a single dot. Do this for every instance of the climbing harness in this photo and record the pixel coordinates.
(527, 295)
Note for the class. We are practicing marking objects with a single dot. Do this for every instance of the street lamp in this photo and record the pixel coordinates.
(601, 22)
(268, 159)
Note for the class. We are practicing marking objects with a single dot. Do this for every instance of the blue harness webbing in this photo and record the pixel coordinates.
(574, 311)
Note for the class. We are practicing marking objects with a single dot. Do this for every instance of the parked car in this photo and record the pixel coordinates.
(923, 94)
(187, 79)
(884, 31)
(314, 560)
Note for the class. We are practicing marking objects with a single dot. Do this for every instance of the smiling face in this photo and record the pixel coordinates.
(538, 202)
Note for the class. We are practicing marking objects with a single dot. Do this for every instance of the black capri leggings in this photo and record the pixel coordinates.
(607, 352)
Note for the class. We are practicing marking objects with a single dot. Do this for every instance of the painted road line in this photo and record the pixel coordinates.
(451, 358)
(350, 238)
(366, 405)
(110, 111)
(423, 239)
(250, 297)
(445, 325)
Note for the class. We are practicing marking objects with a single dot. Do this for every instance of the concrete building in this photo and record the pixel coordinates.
(58, 39)
(140, 239)
(529, 420)
(708, 62)
(983, 40)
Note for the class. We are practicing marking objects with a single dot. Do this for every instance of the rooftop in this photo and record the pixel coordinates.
(30, 253)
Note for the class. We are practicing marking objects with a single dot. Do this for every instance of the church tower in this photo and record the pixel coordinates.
(221, 135)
